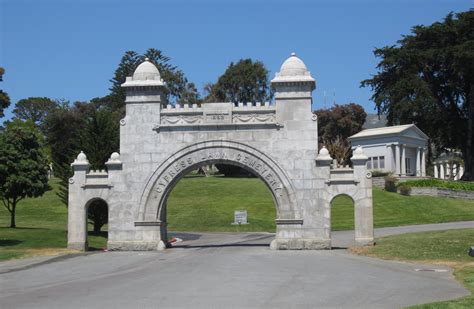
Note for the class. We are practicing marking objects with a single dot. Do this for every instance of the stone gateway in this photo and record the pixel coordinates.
(160, 143)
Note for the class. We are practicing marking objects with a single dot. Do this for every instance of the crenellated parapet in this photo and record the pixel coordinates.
(218, 115)
(86, 178)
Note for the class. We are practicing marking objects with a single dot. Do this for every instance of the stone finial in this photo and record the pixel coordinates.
(359, 154)
(81, 159)
(324, 154)
(294, 70)
(114, 161)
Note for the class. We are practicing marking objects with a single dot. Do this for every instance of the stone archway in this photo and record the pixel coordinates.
(160, 143)
(152, 209)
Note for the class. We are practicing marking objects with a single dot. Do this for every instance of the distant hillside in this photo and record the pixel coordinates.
(375, 121)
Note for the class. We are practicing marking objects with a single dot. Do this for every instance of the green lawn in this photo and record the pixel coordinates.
(440, 247)
(208, 204)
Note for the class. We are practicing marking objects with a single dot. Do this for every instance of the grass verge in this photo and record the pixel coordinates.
(440, 247)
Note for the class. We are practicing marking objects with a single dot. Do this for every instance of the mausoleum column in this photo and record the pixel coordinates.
(388, 157)
(423, 162)
(403, 171)
(417, 164)
(397, 159)
(435, 169)
(441, 170)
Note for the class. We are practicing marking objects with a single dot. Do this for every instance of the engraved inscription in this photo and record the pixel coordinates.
(253, 163)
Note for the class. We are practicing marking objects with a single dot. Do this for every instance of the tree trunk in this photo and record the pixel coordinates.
(468, 155)
(97, 227)
(12, 222)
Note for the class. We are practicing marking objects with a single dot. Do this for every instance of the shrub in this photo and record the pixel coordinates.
(390, 183)
(404, 189)
(439, 183)
(378, 173)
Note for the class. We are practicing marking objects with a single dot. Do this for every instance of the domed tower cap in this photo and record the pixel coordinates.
(146, 71)
(146, 74)
(293, 70)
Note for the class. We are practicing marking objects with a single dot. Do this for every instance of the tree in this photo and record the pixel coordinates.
(23, 166)
(35, 109)
(427, 78)
(246, 81)
(88, 127)
(340, 120)
(190, 95)
(175, 79)
(4, 98)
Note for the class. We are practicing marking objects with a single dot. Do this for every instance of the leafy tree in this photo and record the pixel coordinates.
(176, 82)
(246, 81)
(23, 166)
(87, 127)
(427, 78)
(34, 109)
(340, 120)
(63, 128)
(4, 98)
(190, 95)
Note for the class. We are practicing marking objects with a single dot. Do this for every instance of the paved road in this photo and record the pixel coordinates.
(225, 271)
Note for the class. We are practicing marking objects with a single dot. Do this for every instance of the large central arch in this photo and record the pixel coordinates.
(164, 178)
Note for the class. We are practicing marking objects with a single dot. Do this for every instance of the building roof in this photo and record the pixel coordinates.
(393, 130)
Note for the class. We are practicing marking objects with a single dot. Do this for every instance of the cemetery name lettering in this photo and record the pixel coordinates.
(183, 164)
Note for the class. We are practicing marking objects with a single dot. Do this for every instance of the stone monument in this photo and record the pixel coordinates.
(160, 143)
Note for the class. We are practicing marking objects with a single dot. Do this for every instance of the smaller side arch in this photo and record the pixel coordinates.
(97, 210)
(78, 204)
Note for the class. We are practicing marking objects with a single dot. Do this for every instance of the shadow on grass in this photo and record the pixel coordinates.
(9, 242)
(21, 228)
(103, 234)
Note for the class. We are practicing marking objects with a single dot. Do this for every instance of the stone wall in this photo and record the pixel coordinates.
(442, 192)
(378, 182)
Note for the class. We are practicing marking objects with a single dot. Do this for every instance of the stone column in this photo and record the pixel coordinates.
(461, 171)
(397, 160)
(447, 170)
(77, 212)
(423, 162)
(388, 158)
(455, 171)
(323, 167)
(363, 210)
(441, 170)
(417, 164)
(403, 171)
(435, 169)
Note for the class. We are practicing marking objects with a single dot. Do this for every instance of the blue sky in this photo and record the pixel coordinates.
(70, 49)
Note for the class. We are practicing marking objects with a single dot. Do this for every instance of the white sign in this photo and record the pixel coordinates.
(240, 217)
